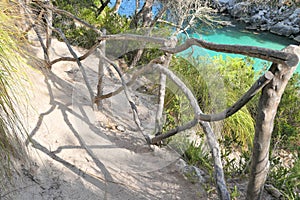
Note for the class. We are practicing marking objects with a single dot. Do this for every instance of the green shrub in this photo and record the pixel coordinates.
(80, 35)
(217, 84)
(287, 120)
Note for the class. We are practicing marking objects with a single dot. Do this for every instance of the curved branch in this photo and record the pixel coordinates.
(211, 138)
(78, 63)
(258, 52)
(174, 131)
(129, 99)
(133, 78)
(275, 56)
(84, 56)
(255, 88)
(56, 10)
(260, 83)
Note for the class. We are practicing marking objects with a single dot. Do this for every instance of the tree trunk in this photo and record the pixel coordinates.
(267, 108)
(145, 14)
(101, 8)
(117, 6)
(49, 22)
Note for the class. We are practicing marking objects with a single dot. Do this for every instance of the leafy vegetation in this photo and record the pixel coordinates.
(217, 85)
(82, 36)
(237, 131)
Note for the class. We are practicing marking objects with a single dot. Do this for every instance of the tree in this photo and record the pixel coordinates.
(117, 6)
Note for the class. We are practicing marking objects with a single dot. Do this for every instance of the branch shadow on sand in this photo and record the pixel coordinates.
(106, 184)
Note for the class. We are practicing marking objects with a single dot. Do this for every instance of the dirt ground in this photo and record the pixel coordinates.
(76, 152)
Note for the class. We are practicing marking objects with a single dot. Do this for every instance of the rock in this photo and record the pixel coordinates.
(295, 17)
(297, 38)
(192, 173)
(240, 9)
(121, 128)
(296, 21)
(264, 27)
(256, 19)
(282, 20)
(252, 27)
(180, 164)
(282, 29)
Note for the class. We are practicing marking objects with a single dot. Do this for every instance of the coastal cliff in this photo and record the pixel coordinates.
(282, 18)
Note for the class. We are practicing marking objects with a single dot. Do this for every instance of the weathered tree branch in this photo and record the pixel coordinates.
(101, 67)
(49, 21)
(134, 77)
(260, 83)
(275, 56)
(211, 138)
(267, 108)
(33, 25)
(162, 91)
(133, 37)
(160, 137)
(56, 10)
(72, 59)
(128, 97)
(255, 88)
(257, 52)
(79, 64)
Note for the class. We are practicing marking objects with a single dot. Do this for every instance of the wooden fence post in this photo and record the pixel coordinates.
(101, 67)
(267, 108)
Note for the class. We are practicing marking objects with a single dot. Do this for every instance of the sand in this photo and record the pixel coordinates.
(76, 152)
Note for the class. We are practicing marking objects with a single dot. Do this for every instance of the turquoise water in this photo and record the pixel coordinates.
(231, 35)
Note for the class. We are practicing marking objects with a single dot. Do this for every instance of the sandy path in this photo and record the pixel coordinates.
(77, 153)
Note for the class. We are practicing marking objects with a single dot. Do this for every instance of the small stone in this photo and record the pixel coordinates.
(121, 128)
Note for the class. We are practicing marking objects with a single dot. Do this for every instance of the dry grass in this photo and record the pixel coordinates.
(11, 75)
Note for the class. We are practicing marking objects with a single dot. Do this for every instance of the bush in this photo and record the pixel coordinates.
(238, 130)
(81, 36)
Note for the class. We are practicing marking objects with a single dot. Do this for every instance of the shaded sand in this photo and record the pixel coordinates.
(78, 153)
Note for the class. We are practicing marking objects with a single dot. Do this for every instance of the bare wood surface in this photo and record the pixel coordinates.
(101, 67)
(80, 58)
(211, 138)
(134, 37)
(162, 90)
(275, 56)
(188, 125)
(255, 88)
(267, 108)
(134, 77)
(257, 52)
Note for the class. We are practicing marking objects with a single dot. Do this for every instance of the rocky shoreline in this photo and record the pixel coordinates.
(282, 19)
